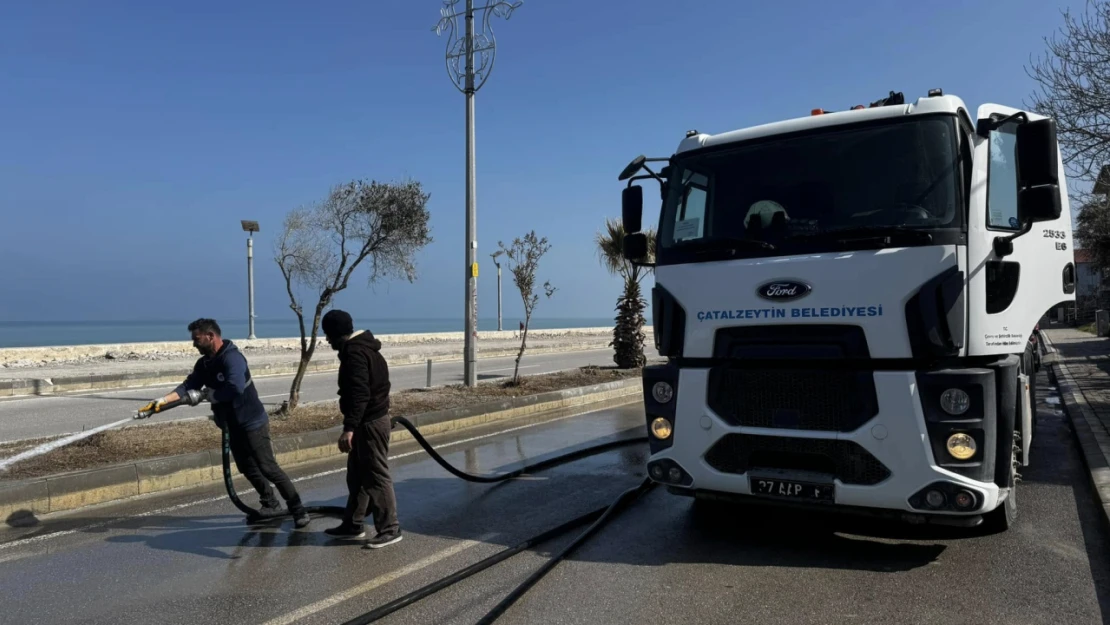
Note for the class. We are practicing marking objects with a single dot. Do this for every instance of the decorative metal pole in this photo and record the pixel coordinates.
(469, 78)
(250, 227)
(498, 293)
(250, 286)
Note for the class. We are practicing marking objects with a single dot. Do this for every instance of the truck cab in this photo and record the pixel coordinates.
(845, 302)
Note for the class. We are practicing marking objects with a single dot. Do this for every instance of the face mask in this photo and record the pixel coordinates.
(203, 344)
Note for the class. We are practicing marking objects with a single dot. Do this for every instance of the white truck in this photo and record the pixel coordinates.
(845, 300)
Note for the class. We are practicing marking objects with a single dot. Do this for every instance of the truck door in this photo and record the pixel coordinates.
(1008, 294)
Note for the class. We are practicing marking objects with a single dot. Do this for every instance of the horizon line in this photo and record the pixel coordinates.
(257, 320)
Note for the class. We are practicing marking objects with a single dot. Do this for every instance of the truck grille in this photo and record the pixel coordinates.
(795, 399)
(844, 460)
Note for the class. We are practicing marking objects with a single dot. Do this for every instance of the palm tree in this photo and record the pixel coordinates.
(628, 333)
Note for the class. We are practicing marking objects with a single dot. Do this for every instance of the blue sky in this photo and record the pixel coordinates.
(135, 135)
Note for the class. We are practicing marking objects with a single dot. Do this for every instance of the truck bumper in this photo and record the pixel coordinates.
(887, 464)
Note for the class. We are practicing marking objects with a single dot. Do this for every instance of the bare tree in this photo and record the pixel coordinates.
(321, 246)
(1073, 81)
(523, 259)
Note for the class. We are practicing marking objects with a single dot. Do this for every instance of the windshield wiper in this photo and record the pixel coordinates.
(709, 244)
(883, 234)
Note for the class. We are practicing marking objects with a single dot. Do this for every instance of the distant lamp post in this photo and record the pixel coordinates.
(494, 257)
(465, 46)
(250, 227)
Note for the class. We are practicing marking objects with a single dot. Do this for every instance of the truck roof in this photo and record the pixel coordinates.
(922, 106)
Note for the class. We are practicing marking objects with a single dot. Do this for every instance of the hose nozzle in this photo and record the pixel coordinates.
(194, 397)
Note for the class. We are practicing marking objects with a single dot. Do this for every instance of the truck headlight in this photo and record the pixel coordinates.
(955, 401)
(961, 446)
(661, 428)
(662, 392)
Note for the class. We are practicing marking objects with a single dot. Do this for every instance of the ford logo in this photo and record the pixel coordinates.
(783, 290)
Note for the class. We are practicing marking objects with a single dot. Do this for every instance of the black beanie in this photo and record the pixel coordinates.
(337, 323)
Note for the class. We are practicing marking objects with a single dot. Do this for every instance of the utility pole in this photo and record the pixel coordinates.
(469, 78)
(250, 227)
(495, 262)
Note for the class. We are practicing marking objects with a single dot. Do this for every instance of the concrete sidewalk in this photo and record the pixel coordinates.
(1080, 365)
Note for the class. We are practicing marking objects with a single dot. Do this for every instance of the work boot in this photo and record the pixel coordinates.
(346, 530)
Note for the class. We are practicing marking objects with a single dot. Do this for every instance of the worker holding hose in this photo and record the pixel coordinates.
(364, 402)
(223, 373)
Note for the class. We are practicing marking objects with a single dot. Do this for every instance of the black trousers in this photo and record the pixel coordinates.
(369, 485)
(254, 457)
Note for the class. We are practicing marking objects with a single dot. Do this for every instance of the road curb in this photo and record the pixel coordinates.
(20, 387)
(1091, 435)
(71, 491)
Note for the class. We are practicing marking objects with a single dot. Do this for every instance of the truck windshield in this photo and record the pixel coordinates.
(895, 184)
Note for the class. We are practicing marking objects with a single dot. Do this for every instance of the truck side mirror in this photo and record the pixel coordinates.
(1039, 204)
(632, 208)
(1037, 154)
(635, 246)
(1038, 172)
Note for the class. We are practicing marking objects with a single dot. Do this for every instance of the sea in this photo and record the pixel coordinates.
(56, 333)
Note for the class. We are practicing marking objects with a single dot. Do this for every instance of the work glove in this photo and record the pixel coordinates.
(149, 409)
(210, 395)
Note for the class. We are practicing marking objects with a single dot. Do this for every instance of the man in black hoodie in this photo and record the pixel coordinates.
(364, 403)
(223, 373)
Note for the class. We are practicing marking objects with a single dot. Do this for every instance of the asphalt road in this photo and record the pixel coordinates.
(191, 559)
(35, 417)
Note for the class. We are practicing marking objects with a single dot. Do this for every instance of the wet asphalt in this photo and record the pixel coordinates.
(190, 559)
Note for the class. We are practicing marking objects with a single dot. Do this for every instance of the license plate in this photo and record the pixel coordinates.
(790, 489)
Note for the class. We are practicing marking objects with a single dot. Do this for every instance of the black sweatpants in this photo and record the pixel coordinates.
(254, 457)
(369, 486)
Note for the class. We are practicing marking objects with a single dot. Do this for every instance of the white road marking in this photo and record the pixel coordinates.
(381, 580)
(419, 450)
(509, 368)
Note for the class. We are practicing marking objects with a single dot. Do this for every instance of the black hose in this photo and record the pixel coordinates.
(481, 565)
(254, 515)
(531, 468)
(518, 592)
(599, 518)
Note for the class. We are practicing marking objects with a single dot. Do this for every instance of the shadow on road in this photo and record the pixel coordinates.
(449, 508)
(221, 540)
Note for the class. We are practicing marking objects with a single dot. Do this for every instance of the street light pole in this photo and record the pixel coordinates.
(250, 227)
(469, 78)
(498, 295)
